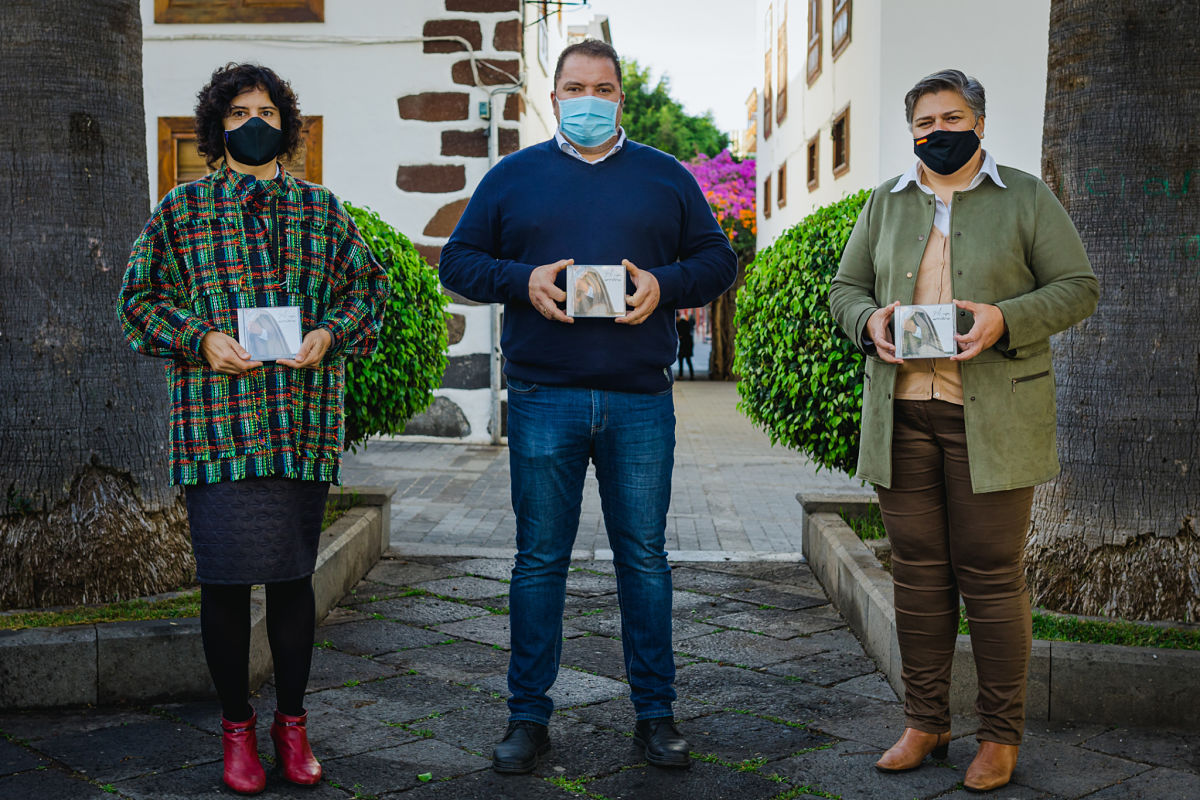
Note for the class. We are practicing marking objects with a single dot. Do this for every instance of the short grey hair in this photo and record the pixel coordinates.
(948, 79)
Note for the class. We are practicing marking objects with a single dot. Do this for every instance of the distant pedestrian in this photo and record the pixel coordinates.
(955, 446)
(254, 444)
(684, 327)
(589, 389)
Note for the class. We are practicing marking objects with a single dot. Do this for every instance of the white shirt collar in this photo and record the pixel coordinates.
(570, 150)
(913, 175)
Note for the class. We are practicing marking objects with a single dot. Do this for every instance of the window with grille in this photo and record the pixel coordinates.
(768, 96)
(813, 67)
(782, 80)
(814, 162)
(841, 143)
(841, 26)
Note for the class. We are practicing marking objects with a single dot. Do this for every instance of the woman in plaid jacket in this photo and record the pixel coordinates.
(254, 443)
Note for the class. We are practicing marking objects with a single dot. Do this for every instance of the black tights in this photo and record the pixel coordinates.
(225, 629)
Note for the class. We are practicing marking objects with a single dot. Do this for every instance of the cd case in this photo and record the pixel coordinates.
(925, 331)
(270, 333)
(595, 290)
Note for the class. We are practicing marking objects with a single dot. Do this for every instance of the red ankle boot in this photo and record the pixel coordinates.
(292, 751)
(243, 770)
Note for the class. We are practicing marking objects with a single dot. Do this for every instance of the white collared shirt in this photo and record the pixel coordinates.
(941, 211)
(570, 150)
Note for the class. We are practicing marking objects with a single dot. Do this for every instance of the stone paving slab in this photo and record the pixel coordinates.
(331, 669)
(424, 611)
(465, 588)
(14, 758)
(781, 623)
(572, 688)
(703, 781)
(600, 654)
(735, 737)
(55, 784)
(129, 749)
(395, 769)
(737, 647)
(795, 715)
(459, 661)
(373, 637)
(847, 769)
(204, 783)
(583, 751)
(1154, 784)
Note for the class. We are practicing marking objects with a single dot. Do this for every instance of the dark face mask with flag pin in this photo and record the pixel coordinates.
(946, 152)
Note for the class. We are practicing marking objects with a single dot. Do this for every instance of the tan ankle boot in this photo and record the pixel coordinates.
(910, 750)
(992, 768)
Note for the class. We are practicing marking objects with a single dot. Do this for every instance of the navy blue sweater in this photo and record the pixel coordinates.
(540, 205)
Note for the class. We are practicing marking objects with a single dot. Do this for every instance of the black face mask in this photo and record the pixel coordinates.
(946, 152)
(254, 143)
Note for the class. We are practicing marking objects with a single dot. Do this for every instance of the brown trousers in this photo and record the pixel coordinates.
(947, 540)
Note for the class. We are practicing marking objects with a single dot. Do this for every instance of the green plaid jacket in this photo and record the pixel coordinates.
(211, 247)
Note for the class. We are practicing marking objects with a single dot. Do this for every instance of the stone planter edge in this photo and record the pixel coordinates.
(1068, 681)
(158, 660)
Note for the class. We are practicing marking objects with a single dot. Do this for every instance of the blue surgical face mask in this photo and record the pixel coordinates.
(587, 121)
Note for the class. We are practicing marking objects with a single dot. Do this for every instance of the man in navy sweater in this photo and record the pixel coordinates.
(589, 389)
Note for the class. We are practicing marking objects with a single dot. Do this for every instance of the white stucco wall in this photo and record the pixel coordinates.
(538, 124)
(353, 87)
(1003, 43)
(893, 44)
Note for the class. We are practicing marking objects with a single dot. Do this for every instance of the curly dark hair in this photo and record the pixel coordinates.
(227, 82)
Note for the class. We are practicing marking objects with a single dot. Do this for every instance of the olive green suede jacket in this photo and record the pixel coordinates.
(1015, 248)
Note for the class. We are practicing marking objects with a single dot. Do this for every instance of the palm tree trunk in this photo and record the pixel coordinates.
(86, 512)
(1116, 533)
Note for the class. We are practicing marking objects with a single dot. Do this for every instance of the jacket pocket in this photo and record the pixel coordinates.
(318, 411)
(518, 386)
(212, 253)
(309, 272)
(1027, 378)
(216, 416)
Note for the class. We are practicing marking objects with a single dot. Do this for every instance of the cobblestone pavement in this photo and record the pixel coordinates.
(732, 491)
(407, 693)
(407, 698)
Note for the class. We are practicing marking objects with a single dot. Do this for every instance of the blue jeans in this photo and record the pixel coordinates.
(552, 434)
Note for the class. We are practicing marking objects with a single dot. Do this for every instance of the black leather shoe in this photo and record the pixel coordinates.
(523, 743)
(663, 743)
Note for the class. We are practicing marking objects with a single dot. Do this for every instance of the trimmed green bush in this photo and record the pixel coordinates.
(387, 389)
(800, 377)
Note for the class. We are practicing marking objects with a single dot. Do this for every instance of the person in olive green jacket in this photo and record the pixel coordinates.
(954, 446)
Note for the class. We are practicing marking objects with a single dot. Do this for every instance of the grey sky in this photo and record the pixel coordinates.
(707, 47)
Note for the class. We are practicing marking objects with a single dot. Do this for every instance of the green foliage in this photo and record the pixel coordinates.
(185, 605)
(653, 117)
(1066, 628)
(388, 388)
(801, 378)
(869, 525)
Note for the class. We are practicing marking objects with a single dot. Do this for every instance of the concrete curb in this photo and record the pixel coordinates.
(157, 660)
(1068, 681)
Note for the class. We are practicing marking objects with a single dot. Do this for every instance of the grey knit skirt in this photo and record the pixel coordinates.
(256, 530)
